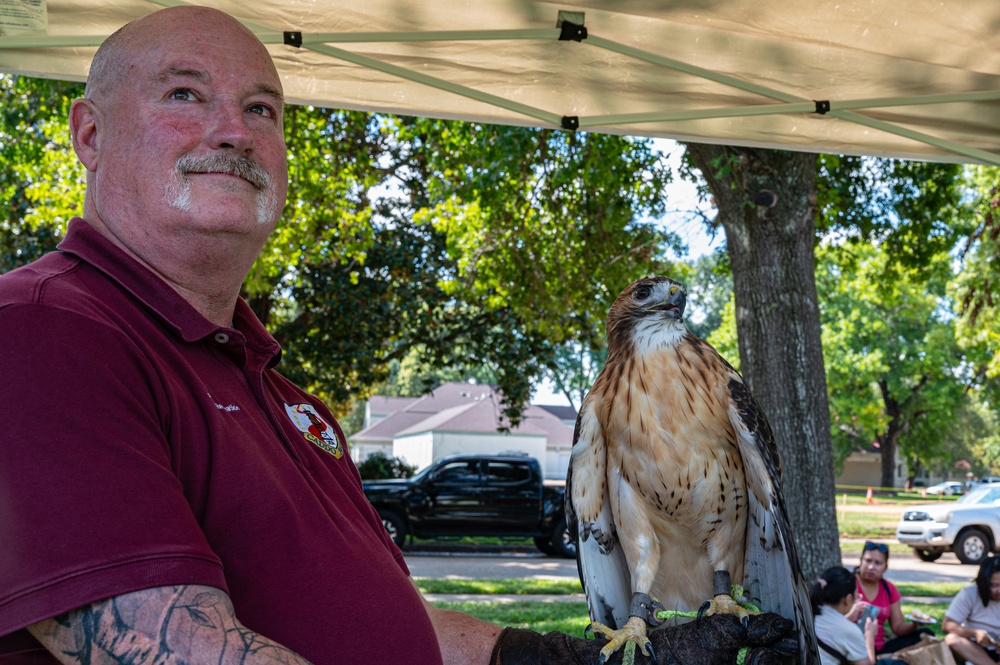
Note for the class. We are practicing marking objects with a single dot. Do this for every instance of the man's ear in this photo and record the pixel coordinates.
(84, 121)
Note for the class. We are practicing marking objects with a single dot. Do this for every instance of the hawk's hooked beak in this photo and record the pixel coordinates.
(672, 307)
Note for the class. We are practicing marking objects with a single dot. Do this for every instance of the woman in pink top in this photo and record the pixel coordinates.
(874, 589)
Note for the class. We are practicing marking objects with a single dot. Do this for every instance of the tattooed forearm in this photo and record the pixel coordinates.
(165, 626)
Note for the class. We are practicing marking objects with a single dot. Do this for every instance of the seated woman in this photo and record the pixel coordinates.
(875, 590)
(972, 622)
(839, 639)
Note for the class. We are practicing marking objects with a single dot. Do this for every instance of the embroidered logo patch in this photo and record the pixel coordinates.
(315, 429)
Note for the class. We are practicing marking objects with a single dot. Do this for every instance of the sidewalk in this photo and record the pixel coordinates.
(506, 598)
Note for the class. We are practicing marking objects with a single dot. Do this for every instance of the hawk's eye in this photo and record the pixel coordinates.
(643, 292)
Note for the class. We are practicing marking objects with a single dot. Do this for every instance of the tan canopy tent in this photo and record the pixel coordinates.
(904, 78)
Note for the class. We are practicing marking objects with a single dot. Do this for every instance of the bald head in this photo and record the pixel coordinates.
(111, 64)
(181, 132)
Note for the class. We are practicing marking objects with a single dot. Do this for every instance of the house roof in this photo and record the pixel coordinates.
(559, 433)
(412, 410)
(559, 411)
(384, 404)
(461, 407)
(384, 430)
(481, 416)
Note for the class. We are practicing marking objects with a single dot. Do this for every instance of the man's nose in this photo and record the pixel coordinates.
(229, 130)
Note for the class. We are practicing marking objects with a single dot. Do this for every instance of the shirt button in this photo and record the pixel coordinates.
(222, 338)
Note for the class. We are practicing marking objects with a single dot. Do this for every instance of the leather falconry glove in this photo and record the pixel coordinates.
(713, 640)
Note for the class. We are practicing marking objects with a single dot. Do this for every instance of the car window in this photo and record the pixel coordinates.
(507, 473)
(973, 495)
(458, 472)
(981, 495)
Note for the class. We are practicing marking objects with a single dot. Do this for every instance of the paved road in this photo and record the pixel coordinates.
(489, 566)
(903, 567)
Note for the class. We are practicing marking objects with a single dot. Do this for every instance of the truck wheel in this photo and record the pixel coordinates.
(972, 547)
(394, 525)
(561, 541)
(927, 555)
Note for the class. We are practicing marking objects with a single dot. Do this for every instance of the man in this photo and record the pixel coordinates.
(165, 494)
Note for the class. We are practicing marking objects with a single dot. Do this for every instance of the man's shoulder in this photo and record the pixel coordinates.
(60, 296)
(40, 279)
(59, 281)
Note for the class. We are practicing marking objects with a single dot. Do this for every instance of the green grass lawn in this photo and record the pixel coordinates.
(570, 617)
(543, 617)
(568, 587)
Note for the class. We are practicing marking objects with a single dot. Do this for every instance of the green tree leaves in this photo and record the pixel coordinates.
(540, 220)
(977, 288)
(896, 372)
(41, 182)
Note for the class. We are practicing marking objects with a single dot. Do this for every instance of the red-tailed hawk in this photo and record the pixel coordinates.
(675, 475)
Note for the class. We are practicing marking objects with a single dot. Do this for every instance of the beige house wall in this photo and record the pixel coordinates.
(864, 469)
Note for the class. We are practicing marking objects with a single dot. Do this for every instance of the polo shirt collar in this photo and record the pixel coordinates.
(87, 244)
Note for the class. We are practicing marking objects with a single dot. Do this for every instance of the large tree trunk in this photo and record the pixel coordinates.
(889, 438)
(900, 417)
(767, 206)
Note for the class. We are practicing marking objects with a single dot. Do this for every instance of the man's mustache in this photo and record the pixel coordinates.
(223, 162)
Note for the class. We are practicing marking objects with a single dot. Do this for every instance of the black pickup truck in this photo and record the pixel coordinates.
(475, 495)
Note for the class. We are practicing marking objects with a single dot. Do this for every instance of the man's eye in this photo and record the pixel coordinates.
(263, 110)
(183, 94)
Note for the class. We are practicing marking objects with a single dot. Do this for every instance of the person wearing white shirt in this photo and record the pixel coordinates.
(972, 622)
(840, 640)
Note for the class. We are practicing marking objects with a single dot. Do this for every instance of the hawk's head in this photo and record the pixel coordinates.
(648, 313)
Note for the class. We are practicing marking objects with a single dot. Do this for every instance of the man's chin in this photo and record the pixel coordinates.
(255, 207)
(239, 219)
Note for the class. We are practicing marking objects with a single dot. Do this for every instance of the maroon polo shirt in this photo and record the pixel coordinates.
(142, 446)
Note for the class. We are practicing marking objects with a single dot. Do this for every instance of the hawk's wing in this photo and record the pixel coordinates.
(772, 575)
(600, 560)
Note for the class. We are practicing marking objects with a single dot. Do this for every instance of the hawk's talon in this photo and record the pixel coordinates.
(739, 595)
(724, 604)
(633, 631)
(707, 605)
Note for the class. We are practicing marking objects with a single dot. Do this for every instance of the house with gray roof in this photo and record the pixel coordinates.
(462, 418)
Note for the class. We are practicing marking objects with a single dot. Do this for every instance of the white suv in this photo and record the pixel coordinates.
(970, 526)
